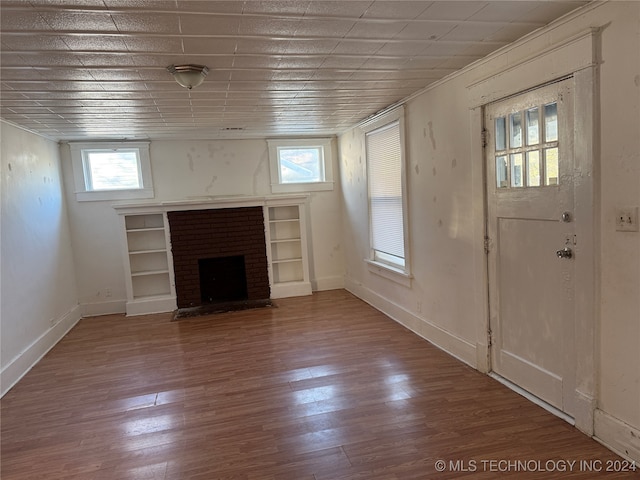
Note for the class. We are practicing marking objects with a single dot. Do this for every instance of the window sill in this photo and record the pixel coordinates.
(301, 187)
(91, 196)
(389, 272)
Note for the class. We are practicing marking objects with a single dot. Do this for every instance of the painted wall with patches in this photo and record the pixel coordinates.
(38, 302)
(185, 170)
(447, 300)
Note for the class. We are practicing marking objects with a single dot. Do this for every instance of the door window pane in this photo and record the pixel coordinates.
(515, 127)
(533, 126)
(551, 176)
(533, 168)
(551, 122)
(501, 133)
(501, 171)
(517, 177)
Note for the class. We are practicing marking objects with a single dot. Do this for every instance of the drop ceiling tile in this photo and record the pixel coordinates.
(396, 9)
(48, 74)
(256, 61)
(421, 30)
(311, 47)
(165, 45)
(291, 74)
(253, 46)
(209, 46)
(448, 10)
(145, 22)
(249, 75)
(141, 4)
(68, 21)
(402, 49)
(423, 63)
(270, 27)
(389, 63)
(504, 11)
(95, 43)
(20, 20)
(358, 47)
(324, 27)
(213, 25)
(66, 3)
(458, 62)
(446, 49)
(338, 8)
(114, 74)
(103, 59)
(34, 43)
(546, 11)
(508, 32)
(276, 6)
(347, 61)
(229, 6)
(472, 32)
(376, 30)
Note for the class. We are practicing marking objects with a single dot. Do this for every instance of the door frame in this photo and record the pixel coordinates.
(576, 57)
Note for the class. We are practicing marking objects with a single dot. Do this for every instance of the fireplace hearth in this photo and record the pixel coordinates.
(219, 258)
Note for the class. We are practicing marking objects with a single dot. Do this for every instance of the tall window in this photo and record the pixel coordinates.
(387, 205)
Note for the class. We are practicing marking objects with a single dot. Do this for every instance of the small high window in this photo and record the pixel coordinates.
(300, 165)
(111, 171)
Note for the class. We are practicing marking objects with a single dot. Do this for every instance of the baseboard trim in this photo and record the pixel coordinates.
(444, 340)
(617, 435)
(103, 308)
(327, 283)
(533, 399)
(27, 359)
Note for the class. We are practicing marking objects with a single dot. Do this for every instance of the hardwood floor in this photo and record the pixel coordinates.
(317, 388)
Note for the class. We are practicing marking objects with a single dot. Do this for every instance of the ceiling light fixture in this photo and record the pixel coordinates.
(189, 76)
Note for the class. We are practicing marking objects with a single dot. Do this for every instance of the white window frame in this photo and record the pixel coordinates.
(377, 263)
(326, 148)
(82, 184)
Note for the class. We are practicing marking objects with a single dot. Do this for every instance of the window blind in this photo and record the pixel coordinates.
(384, 159)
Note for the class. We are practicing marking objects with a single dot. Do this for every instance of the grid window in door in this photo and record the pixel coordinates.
(384, 161)
(526, 148)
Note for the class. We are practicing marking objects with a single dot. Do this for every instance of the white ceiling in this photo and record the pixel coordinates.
(79, 69)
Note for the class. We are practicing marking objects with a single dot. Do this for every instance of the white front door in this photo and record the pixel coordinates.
(531, 229)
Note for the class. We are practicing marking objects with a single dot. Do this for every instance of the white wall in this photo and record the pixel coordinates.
(447, 300)
(38, 286)
(183, 170)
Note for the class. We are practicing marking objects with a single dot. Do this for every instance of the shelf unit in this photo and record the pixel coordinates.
(287, 251)
(148, 261)
(149, 265)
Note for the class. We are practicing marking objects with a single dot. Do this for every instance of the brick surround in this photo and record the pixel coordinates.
(215, 233)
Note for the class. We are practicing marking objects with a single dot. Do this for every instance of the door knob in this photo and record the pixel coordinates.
(566, 252)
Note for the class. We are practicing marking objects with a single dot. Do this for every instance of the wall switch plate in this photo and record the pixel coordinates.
(627, 219)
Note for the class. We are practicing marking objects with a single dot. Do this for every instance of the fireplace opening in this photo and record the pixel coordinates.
(222, 279)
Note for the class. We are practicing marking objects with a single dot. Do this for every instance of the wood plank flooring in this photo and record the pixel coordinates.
(317, 388)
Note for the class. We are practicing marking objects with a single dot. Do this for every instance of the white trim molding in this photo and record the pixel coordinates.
(19, 366)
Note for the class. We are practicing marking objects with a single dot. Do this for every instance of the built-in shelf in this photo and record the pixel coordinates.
(149, 266)
(288, 263)
(149, 261)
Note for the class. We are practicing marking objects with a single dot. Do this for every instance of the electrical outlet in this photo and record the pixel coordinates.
(627, 219)
(107, 292)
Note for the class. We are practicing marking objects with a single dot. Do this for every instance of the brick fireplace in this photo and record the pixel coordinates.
(210, 248)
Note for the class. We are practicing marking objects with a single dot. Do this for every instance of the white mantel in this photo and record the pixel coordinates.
(206, 202)
(140, 220)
